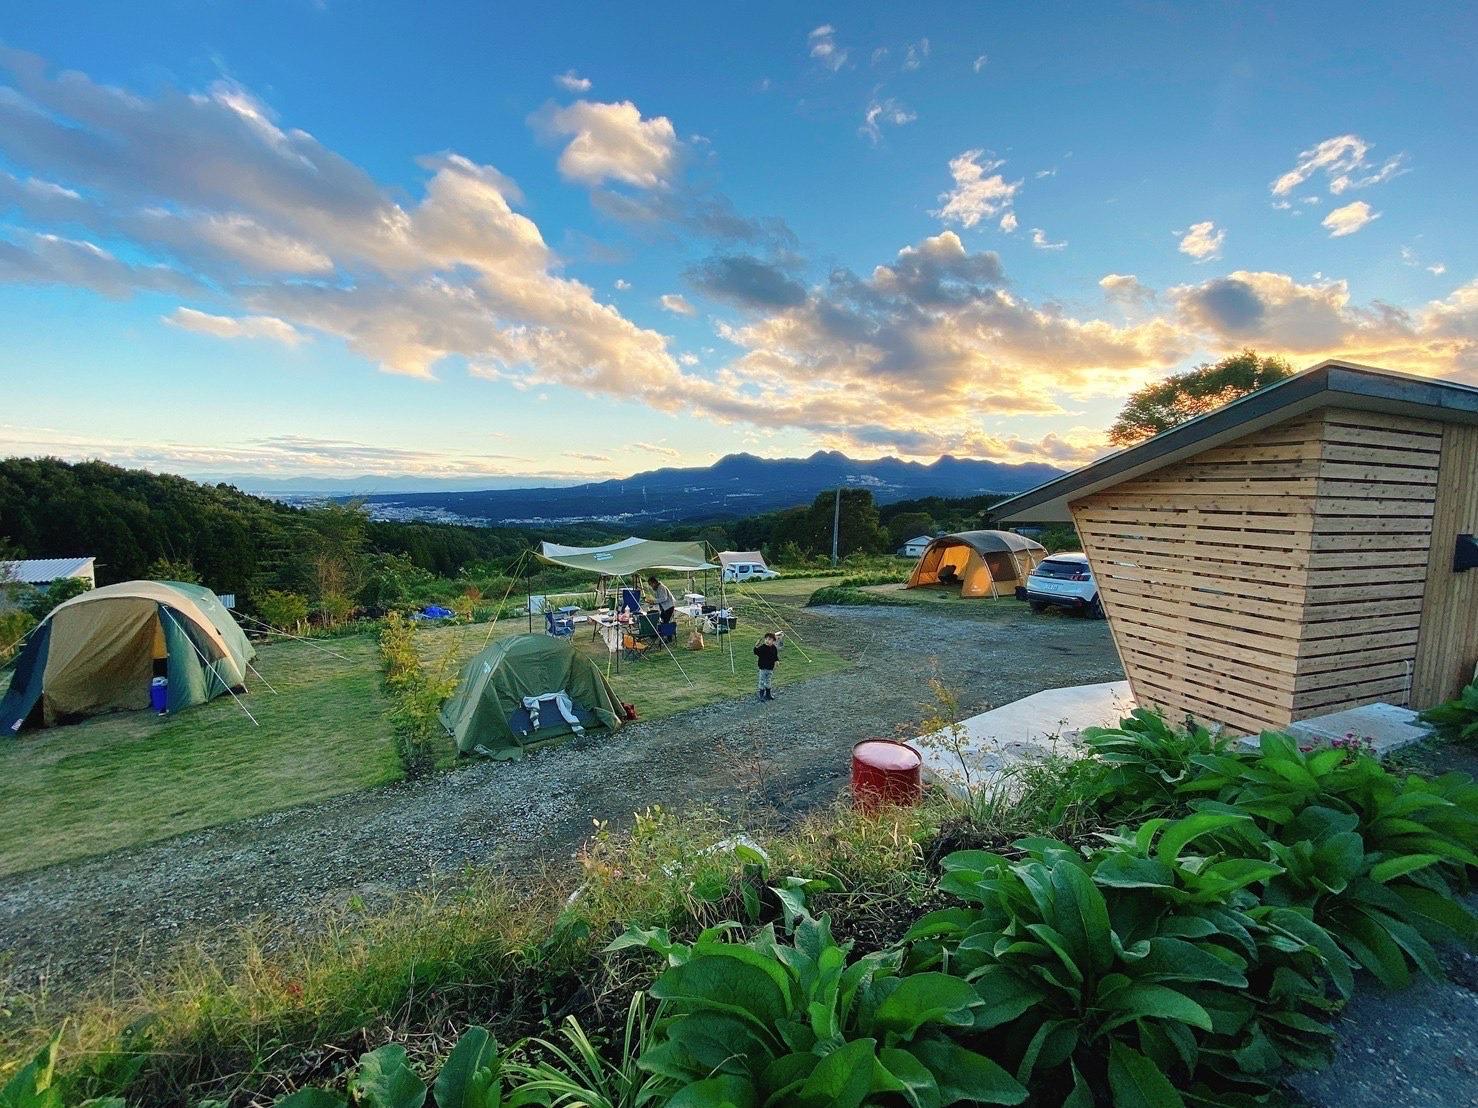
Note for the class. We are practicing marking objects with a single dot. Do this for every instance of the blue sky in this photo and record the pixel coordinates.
(491, 240)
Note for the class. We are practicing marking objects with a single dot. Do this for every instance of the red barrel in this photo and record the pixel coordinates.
(884, 772)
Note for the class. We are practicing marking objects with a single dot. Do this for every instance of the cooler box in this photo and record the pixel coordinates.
(159, 694)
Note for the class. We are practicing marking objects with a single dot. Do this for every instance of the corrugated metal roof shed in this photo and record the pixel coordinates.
(42, 571)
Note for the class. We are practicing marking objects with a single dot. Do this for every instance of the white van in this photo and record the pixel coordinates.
(748, 571)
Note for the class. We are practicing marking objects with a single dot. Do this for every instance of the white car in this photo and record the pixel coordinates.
(1064, 581)
(748, 571)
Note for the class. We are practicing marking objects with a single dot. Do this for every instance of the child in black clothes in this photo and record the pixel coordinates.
(767, 653)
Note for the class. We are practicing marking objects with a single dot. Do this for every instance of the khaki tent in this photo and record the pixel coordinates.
(100, 651)
(981, 563)
(526, 691)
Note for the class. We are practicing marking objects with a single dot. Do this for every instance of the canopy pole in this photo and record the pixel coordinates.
(210, 666)
(296, 638)
(498, 615)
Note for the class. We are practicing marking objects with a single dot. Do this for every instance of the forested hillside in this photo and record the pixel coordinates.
(133, 521)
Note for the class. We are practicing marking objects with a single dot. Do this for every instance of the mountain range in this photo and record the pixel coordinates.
(734, 486)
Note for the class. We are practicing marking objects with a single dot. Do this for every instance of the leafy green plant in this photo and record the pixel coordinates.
(34, 1084)
(773, 1023)
(1145, 767)
(1457, 719)
(1136, 971)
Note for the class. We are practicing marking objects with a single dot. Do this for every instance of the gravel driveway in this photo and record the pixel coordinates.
(72, 922)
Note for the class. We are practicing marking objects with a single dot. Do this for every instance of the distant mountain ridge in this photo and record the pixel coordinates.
(735, 485)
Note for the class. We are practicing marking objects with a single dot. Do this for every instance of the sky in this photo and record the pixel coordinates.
(467, 240)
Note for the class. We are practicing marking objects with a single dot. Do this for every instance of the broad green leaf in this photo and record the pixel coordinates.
(1125, 871)
(1082, 916)
(1006, 996)
(31, 1086)
(964, 1075)
(1155, 1002)
(928, 998)
(384, 1079)
(457, 1085)
(1392, 868)
(725, 984)
(1183, 832)
(907, 1076)
(717, 1092)
(1137, 1083)
(1177, 960)
(842, 1079)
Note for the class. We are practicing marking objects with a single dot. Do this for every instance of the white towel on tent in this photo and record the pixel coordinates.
(562, 703)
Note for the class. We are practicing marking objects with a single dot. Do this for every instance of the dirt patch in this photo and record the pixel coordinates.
(71, 923)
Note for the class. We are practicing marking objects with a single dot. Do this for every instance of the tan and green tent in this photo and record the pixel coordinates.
(526, 691)
(100, 651)
(978, 563)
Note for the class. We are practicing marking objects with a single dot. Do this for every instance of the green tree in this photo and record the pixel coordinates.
(903, 527)
(286, 611)
(167, 569)
(1165, 404)
(42, 601)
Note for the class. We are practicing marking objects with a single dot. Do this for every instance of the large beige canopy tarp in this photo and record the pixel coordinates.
(744, 557)
(632, 555)
(982, 563)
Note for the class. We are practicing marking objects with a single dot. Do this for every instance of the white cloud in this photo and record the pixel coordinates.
(979, 63)
(914, 55)
(980, 191)
(571, 81)
(622, 284)
(657, 448)
(31, 258)
(677, 304)
(1437, 268)
(1202, 241)
(1009, 222)
(1349, 219)
(824, 48)
(1041, 242)
(688, 359)
(237, 327)
(880, 112)
(1412, 258)
(1125, 289)
(1343, 161)
(613, 142)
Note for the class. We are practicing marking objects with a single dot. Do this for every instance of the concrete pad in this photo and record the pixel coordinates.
(1047, 723)
(1384, 727)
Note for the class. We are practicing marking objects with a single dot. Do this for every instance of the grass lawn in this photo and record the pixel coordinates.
(131, 777)
(664, 683)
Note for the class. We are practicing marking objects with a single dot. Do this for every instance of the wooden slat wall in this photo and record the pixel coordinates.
(1448, 648)
(1277, 577)
(1202, 569)
(1375, 471)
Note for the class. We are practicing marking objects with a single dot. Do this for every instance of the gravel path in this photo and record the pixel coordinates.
(71, 922)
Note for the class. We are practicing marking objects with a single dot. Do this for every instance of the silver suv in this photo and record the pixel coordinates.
(1064, 581)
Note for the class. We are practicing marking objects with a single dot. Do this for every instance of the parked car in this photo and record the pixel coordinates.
(1064, 581)
(748, 571)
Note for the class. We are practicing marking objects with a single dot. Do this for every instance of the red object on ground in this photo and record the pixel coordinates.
(885, 772)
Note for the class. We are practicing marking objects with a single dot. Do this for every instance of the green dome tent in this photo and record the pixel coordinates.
(509, 697)
(97, 653)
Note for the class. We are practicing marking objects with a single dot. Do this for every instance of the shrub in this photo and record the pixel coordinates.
(1456, 720)
(15, 625)
(286, 611)
(836, 594)
(418, 692)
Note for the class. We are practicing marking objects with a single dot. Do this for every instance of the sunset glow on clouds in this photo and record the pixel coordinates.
(474, 273)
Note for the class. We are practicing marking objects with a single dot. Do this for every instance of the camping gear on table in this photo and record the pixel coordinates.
(885, 772)
(97, 653)
(488, 712)
(981, 563)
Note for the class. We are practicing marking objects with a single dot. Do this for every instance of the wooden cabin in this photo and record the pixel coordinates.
(1306, 549)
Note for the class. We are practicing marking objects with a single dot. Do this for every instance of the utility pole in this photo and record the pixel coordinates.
(836, 526)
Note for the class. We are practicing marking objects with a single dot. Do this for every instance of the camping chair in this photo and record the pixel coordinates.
(559, 626)
(647, 627)
(632, 648)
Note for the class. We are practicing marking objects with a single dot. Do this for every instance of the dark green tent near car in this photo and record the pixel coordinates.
(99, 652)
(526, 691)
